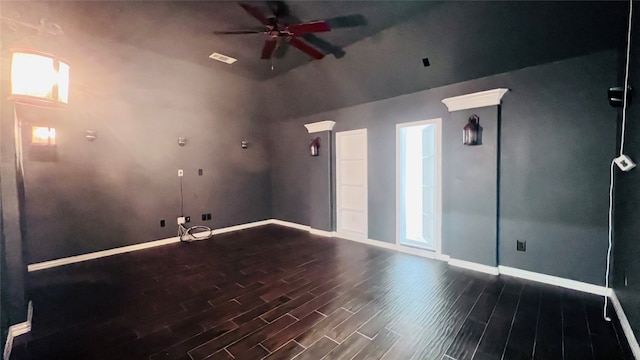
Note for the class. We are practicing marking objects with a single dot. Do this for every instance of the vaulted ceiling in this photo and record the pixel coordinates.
(374, 50)
(184, 29)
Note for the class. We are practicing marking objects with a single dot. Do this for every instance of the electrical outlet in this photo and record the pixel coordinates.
(521, 245)
(209, 216)
(162, 223)
(180, 172)
(200, 172)
(204, 217)
(181, 220)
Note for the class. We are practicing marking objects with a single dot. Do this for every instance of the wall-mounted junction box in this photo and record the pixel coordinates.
(624, 162)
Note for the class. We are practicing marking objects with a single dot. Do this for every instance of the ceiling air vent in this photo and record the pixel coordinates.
(223, 58)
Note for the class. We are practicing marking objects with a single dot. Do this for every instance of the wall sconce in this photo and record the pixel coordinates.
(182, 141)
(314, 147)
(244, 144)
(38, 78)
(43, 136)
(91, 135)
(470, 131)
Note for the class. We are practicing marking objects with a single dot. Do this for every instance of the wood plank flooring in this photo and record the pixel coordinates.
(277, 293)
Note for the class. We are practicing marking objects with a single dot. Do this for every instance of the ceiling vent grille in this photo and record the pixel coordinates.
(223, 58)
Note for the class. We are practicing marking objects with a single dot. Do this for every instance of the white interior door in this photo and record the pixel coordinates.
(351, 183)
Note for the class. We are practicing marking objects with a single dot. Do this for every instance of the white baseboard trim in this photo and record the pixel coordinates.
(99, 254)
(17, 330)
(626, 327)
(491, 270)
(241, 227)
(321, 232)
(554, 280)
(443, 257)
(130, 248)
(290, 224)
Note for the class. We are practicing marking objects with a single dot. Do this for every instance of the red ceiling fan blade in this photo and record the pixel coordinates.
(256, 13)
(310, 27)
(269, 47)
(306, 48)
(238, 32)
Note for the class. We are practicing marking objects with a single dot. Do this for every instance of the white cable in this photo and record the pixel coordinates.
(611, 178)
(187, 235)
(626, 80)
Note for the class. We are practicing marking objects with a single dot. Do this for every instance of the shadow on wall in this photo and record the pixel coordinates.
(70, 194)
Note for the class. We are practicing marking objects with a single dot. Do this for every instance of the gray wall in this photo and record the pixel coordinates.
(320, 179)
(627, 207)
(470, 188)
(290, 164)
(557, 137)
(114, 191)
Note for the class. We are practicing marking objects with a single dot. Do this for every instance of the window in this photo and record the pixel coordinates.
(418, 187)
(39, 77)
(43, 136)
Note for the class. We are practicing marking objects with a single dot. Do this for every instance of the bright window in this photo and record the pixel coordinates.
(43, 136)
(418, 188)
(39, 76)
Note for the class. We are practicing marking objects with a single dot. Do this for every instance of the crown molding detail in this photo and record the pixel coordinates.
(475, 100)
(320, 126)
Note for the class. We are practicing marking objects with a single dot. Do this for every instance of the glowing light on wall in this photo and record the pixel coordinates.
(43, 136)
(39, 79)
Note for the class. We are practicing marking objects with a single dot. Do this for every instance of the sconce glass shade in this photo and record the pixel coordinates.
(38, 79)
(470, 131)
(314, 147)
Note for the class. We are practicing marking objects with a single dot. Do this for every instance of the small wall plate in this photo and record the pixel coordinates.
(624, 162)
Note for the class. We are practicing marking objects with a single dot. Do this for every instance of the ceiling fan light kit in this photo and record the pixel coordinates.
(276, 27)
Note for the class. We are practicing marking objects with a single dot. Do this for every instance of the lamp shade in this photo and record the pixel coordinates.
(38, 78)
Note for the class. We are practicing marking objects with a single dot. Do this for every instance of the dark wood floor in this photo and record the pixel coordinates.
(278, 293)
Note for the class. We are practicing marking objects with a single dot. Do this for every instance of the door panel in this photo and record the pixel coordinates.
(351, 183)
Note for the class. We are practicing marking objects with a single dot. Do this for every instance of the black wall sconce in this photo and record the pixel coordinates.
(617, 94)
(470, 131)
(91, 135)
(314, 147)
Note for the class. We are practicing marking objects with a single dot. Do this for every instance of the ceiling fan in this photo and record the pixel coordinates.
(277, 27)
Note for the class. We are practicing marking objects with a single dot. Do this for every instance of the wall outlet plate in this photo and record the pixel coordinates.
(181, 220)
(624, 162)
(521, 245)
(180, 172)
